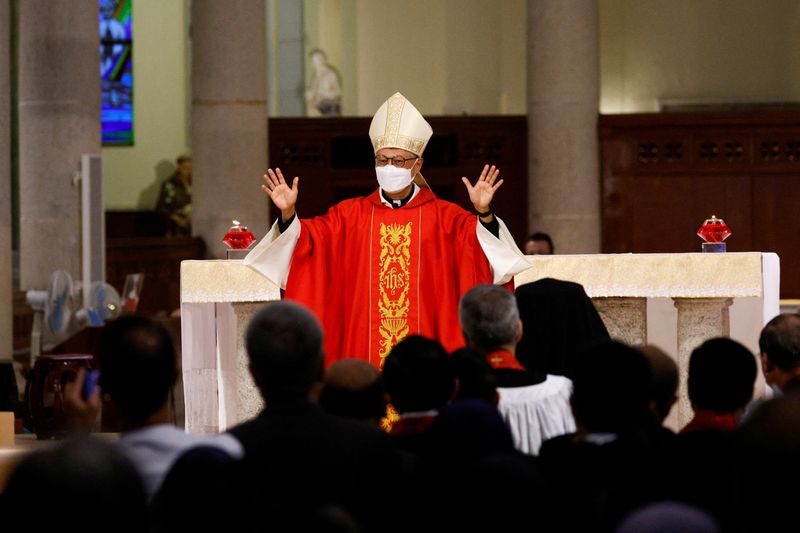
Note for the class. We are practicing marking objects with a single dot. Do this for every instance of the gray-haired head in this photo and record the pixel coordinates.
(780, 341)
(489, 317)
(284, 346)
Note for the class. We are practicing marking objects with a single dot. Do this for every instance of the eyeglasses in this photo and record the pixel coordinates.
(396, 161)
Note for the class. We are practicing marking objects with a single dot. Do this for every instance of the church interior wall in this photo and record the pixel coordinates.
(401, 47)
(468, 56)
(709, 52)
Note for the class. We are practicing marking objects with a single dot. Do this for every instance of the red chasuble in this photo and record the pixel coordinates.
(373, 274)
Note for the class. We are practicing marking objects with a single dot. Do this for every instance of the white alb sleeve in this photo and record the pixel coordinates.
(272, 257)
(504, 257)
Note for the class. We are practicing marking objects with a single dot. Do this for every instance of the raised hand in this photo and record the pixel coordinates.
(283, 196)
(482, 192)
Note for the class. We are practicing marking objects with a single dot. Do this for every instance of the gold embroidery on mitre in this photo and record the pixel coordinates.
(393, 285)
(392, 138)
(395, 140)
(394, 112)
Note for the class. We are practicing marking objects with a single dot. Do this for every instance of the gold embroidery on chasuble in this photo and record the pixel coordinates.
(394, 283)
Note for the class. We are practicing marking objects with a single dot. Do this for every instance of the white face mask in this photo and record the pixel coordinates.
(394, 179)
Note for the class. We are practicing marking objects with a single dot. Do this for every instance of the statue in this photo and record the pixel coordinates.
(325, 91)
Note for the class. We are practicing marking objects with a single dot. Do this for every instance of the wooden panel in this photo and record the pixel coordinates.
(776, 224)
(663, 174)
(160, 260)
(125, 223)
(334, 159)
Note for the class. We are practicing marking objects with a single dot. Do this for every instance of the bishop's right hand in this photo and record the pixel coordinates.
(283, 196)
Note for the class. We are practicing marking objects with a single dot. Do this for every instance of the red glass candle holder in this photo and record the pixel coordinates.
(239, 237)
(714, 231)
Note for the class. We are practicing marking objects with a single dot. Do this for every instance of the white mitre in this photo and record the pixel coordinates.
(398, 124)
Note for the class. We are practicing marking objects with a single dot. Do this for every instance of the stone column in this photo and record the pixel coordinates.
(625, 318)
(229, 118)
(699, 319)
(59, 120)
(6, 272)
(563, 94)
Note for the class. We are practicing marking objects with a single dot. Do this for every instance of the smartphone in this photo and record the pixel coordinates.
(90, 382)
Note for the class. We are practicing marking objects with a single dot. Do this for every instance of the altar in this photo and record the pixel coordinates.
(675, 301)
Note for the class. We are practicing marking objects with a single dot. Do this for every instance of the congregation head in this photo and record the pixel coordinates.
(138, 365)
(353, 389)
(284, 347)
(476, 379)
(665, 379)
(611, 388)
(418, 375)
(721, 376)
(539, 243)
(558, 319)
(48, 487)
(489, 317)
(779, 341)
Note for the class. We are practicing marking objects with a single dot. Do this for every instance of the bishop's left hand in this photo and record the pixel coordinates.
(482, 192)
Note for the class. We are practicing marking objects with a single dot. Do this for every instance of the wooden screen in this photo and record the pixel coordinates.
(334, 159)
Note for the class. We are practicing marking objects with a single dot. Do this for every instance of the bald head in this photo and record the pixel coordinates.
(351, 374)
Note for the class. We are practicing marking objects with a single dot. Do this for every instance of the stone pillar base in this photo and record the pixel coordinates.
(625, 318)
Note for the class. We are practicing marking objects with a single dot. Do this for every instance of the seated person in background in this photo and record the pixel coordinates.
(175, 199)
(558, 320)
(619, 457)
(722, 373)
(420, 382)
(353, 389)
(138, 368)
(779, 344)
(534, 405)
(298, 458)
(476, 379)
(539, 244)
(668, 516)
(471, 478)
(665, 380)
(765, 466)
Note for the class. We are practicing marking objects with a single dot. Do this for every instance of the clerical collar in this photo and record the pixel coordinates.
(395, 204)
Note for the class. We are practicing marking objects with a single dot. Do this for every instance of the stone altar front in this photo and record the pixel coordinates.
(673, 300)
